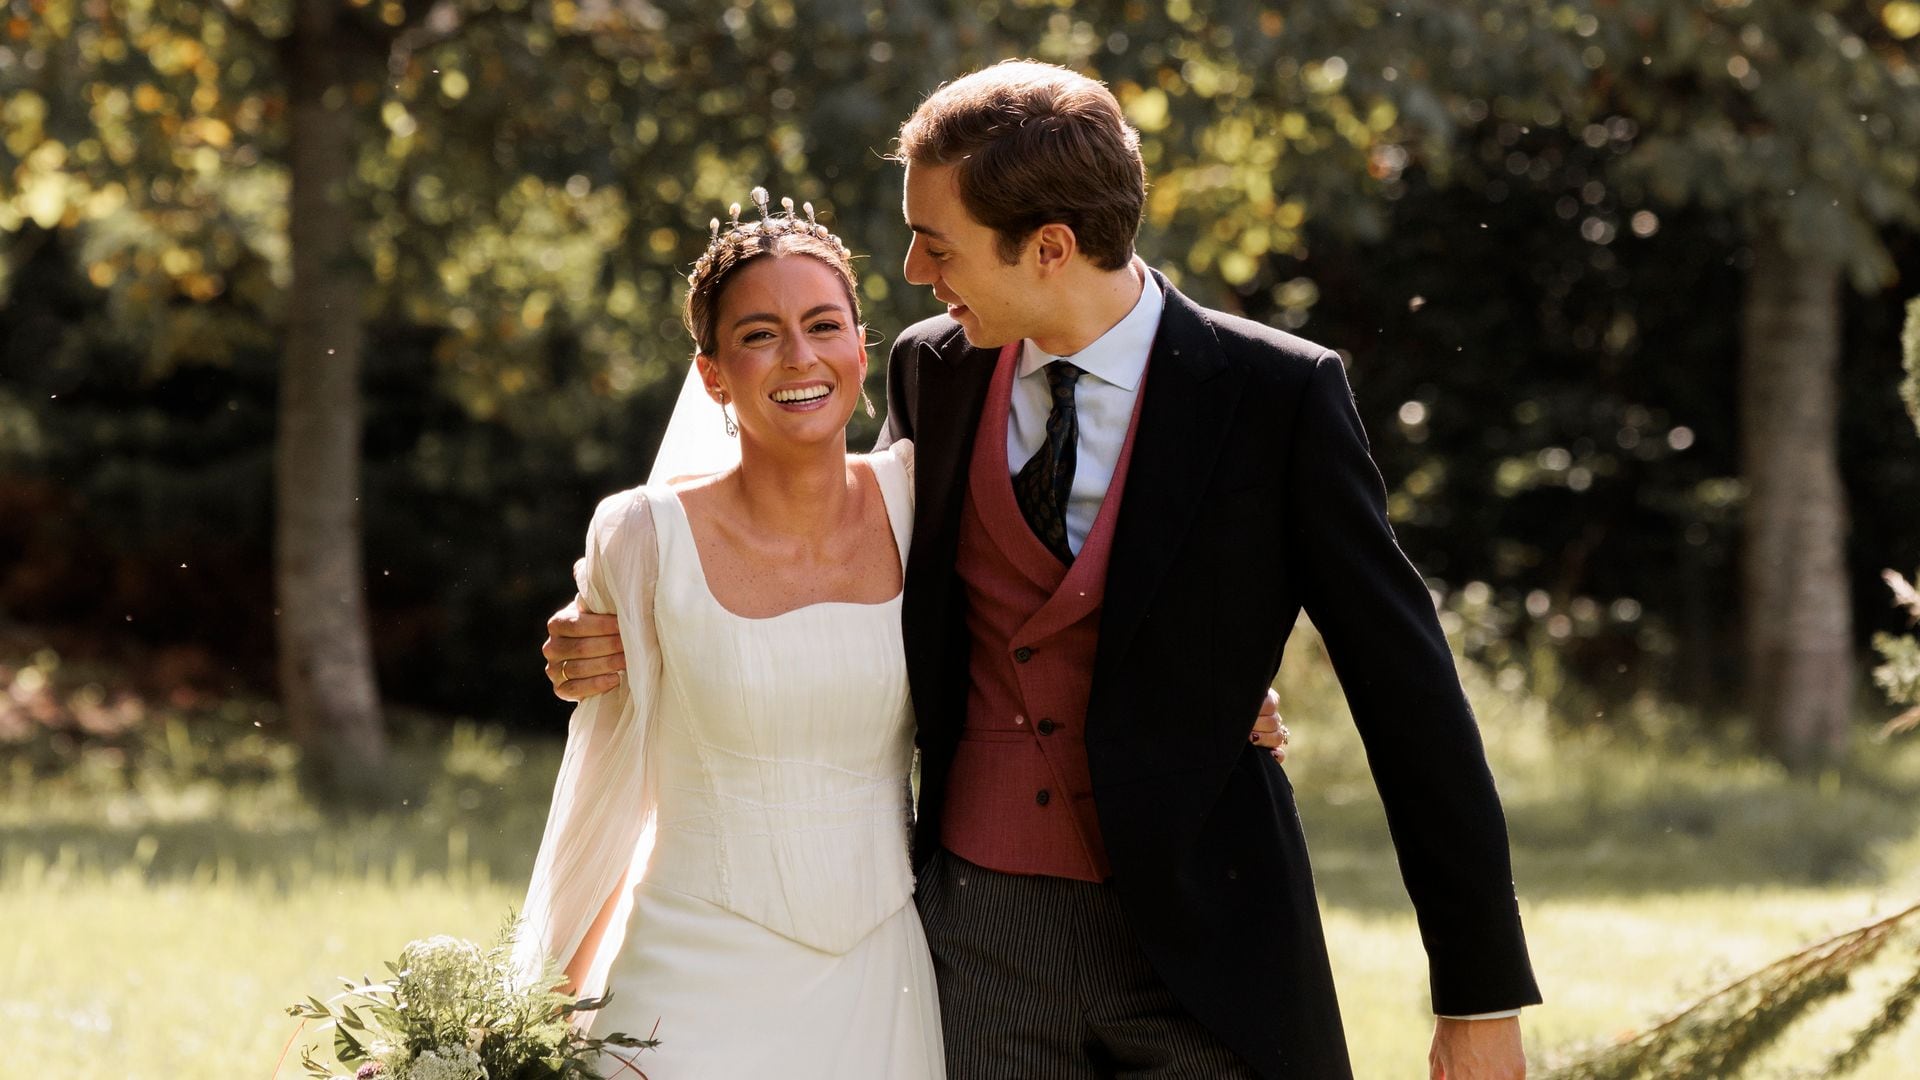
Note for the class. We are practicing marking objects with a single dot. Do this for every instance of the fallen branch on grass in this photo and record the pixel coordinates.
(1725, 1031)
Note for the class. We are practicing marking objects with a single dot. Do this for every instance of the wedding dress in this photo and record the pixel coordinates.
(769, 930)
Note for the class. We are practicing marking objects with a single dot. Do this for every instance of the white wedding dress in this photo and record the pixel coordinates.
(770, 930)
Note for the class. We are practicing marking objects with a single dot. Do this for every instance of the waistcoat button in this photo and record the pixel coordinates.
(1045, 726)
(1023, 654)
(1044, 797)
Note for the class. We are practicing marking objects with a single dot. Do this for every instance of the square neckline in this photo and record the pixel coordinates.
(893, 538)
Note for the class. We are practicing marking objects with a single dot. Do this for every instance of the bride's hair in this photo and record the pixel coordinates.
(739, 243)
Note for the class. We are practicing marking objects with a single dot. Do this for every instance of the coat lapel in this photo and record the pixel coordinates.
(1190, 390)
(951, 389)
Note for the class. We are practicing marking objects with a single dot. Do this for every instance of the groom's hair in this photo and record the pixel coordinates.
(1033, 144)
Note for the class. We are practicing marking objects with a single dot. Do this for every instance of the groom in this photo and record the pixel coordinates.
(1123, 501)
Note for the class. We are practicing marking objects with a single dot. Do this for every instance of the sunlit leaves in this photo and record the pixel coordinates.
(24, 115)
(1901, 18)
(1257, 121)
(1146, 108)
(1783, 111)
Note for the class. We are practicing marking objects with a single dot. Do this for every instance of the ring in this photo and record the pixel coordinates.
(564, 677)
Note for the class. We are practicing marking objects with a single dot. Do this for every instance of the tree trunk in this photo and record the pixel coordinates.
(1798, 615)
(326, 658)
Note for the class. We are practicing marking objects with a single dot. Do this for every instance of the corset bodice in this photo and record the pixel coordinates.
(781, 748)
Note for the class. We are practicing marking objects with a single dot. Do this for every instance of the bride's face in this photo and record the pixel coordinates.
(791, 358)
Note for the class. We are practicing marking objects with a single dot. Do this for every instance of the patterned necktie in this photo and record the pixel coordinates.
(1046, 480)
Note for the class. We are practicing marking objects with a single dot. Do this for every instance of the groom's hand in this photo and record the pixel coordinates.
(1269, 731)
(1477, 1050)
(583, 651)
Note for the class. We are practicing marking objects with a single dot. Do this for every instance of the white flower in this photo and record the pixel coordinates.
(439, 969)
(446, 1063)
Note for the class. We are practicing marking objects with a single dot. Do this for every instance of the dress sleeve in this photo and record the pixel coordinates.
(903, 452)
(893, 467)
(600, 827)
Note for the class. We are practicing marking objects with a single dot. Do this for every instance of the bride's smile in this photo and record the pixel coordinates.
(809, 396)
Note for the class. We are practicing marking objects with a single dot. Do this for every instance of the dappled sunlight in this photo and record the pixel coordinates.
(324, 327)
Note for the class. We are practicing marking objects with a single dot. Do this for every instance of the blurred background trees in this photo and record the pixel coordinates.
(1616, 281)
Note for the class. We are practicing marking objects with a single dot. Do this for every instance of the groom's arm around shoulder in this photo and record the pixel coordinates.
(1376, 616)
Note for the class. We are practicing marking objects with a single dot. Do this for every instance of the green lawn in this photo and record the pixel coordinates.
(116, 977)
(1606, 966)
(162, 906)
(121, 978)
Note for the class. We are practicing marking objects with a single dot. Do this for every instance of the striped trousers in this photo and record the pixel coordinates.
(1040, 979)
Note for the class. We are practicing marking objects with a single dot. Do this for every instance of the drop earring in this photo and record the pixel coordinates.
(868, 402)
(733, 429)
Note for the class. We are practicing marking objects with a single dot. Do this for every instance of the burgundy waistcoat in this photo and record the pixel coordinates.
(1019, 799)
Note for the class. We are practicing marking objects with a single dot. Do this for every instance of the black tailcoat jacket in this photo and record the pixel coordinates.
(1250, 496)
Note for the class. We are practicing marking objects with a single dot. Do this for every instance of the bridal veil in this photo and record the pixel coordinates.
(600, 828)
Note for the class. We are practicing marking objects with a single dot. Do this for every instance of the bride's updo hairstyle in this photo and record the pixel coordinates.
(739, 243)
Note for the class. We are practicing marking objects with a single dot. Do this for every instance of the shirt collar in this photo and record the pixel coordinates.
(1118, 356)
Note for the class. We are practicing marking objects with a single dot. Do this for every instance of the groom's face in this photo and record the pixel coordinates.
(959, 259)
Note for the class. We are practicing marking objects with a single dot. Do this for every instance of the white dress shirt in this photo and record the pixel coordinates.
(1103, 403)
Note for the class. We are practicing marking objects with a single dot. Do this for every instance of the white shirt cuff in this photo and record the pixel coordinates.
(1501, 1015)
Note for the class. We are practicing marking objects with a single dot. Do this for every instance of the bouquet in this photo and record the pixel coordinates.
(453, 1011)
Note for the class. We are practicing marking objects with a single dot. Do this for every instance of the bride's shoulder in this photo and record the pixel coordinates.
(625, 516)
(623, 556)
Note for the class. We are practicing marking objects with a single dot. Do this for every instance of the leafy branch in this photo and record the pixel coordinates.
(1723, 1032)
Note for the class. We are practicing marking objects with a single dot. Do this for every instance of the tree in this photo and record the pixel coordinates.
(517, 185)
(512, 176)
(168, 128)
(133, 106)
(1802, 118)
(1728, 1031)
(1799, 119)
(328, 53)
(518, 181)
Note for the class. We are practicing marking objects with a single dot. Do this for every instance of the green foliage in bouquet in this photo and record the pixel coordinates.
(453, 1011)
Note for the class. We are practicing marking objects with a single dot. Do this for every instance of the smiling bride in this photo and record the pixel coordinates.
(762, 729)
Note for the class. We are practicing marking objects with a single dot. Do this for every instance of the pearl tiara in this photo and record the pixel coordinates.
(737, 234)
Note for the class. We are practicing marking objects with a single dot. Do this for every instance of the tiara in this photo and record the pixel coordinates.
(737, 233)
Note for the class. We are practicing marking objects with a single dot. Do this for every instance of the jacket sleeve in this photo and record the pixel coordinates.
(1377, 619)
(599, 826)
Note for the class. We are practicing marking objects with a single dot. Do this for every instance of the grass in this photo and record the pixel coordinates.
(1653, 866)
(167, 893)
(120, 977)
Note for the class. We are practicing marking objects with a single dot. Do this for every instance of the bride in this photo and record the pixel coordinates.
(761, 734)
(727, 847)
